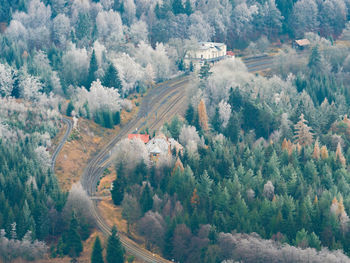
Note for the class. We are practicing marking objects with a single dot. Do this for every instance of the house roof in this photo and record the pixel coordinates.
(143, 137)
(230, 53)
(302, 42)
(155, 149)
(208, 45)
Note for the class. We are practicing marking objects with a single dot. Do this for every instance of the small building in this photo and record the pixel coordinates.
(161, 145)
(230, 54)
(301, 44)
(209, 52)
(143, 137)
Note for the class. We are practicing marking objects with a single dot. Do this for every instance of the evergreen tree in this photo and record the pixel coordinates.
(118, 189)
(177, 7)
(115, 250)
(73, 239)
(96, 255)
(204, 72)
(315, 60)
(146, 200)
(188, 8)
(190, 114)
(92, 70)
(116, 118)
(111, 78)
(70, 108)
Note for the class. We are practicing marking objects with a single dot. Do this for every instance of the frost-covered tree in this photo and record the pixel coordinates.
(224, 112)
(130, 153)
(61, 29)
(7, 75)
(75, 64)
(110, 28)
(305, 17)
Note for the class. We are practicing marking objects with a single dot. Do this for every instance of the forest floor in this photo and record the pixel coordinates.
(84, 142)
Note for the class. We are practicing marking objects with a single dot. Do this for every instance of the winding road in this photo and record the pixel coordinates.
(69, 124)
(160, 104)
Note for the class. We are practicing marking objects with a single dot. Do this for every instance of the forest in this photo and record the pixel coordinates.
(265, 160)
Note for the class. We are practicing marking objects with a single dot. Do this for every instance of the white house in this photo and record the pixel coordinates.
(205, 52)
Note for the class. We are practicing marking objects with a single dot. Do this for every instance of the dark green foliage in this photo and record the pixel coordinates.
(111, 78)
(92, 69)
(72, 240)
(96, 255)
(204, 72)
(118, 6)
(107, 118)
(116, 118)
(70, 108)
(115, 251)
(177, 7)
(232, 129)
(118, 189)
(188, 8)
(146, 200)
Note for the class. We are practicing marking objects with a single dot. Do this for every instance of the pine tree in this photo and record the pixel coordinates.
(70, 108)
(111, 78)
(202, 114)
(315, 60)
(204, 72)
(324, 152)
(115, 250)
(303, 134)
(188, 8)
(73, 241)
(118, 189)
(92, 69)
(96, 255)
(146, 200)
(177, 7)
(316, 153)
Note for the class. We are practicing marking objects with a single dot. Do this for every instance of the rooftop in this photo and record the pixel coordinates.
(302, 42)
(208, 45)
(142, 137)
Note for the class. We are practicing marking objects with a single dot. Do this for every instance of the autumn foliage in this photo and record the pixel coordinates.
(202, 114)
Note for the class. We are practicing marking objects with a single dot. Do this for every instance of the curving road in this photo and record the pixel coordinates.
(69, 124)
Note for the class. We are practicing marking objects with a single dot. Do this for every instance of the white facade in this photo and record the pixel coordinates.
(205, 52)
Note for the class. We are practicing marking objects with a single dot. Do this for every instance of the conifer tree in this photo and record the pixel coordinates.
(303, 134)
(111, 78)
(188, 8)
(339, 155)
(115, 250)
(324, 152)
(316, 153)
(96, 255)
(117, 190)
(202, 114)
(204, 71)
(146, 201)
(177, 7)
(73, 242)
(92, 69)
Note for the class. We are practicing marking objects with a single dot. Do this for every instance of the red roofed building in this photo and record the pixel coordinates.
(230, 54)
(142, 137)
